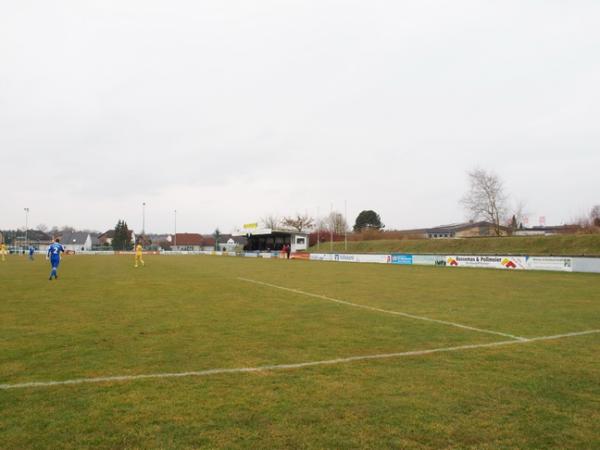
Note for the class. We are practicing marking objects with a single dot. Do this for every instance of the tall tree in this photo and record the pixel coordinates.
(368, 219)
(336, 223)
(299, 222)
(217, 235)
(485, 199)
(595, 215)
(122, 238)
(518, 212)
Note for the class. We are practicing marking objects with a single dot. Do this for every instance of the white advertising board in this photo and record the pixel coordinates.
(489, 262)
(586, 265)
(378, 259)
(554, 263)
(321, 257)
(343, 257)
(429, 260)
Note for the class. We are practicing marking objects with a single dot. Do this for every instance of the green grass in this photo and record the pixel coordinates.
(189, 313)
(565, 245)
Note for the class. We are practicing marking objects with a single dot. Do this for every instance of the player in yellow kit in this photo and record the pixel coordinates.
(138, 254)
(3, 251)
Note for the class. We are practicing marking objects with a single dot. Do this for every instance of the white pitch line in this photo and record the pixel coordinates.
(204, 373)
(385, 311)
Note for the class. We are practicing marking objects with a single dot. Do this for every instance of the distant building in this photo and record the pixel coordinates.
(547, 231)
(37, 239)
(231, 243)
(78, 241)
(187, 242)
(458, 230)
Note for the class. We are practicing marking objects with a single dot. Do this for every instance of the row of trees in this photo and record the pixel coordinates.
(334, 222)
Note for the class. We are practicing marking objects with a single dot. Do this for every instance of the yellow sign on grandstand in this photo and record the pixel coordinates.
(250, 226)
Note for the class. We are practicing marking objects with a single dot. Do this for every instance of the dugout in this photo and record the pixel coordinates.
(266, 240)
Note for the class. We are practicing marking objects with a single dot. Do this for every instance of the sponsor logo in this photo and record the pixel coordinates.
(401, 258)
(509, 264)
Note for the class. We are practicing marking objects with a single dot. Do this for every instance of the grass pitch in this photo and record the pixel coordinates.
(104, 318)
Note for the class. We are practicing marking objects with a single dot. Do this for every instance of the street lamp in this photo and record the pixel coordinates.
(345, 226)
(26, 226)
(175, 235)
(143, 218)
(318, 230)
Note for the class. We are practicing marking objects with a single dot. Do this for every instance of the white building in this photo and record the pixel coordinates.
(77, 241)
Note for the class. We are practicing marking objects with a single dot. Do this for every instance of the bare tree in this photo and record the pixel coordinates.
(516, 215)
(595, 215)
(336, 222)
(271, 221)
(299, 222)
(485, 199)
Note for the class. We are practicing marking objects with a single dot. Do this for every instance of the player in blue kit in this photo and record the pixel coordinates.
(54, 252)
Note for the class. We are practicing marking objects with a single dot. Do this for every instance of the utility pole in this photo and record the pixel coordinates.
(331, 229)
(143, 218)
(175, 235)
(345, 226)
(26, 226)
(318, 230)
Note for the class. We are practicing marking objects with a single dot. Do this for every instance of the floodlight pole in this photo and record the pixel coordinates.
(331, 228)
(143, 218)
(318, 230)
(345, 226)
(26, 226)
(175, 235)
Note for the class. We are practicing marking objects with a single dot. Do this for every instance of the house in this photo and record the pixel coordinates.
(468, 229)
(35, 238)
(78, 241)
(187, 242)
(230, 243)
(547, 231)
(458, 230)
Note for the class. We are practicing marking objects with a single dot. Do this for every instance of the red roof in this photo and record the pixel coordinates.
(187, 239)
(208, 241)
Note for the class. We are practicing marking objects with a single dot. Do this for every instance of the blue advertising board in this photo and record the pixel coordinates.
(402, 258)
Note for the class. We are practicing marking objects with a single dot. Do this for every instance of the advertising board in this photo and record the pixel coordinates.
(359, 258)
(402, 258)
(378, 259)
(344, 258)
(300, 255)
(321, 257)
(586, 265)
(554, 263)
(488, 262)
(429, 260)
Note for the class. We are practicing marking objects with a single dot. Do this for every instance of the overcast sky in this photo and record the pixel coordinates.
(230, 110)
